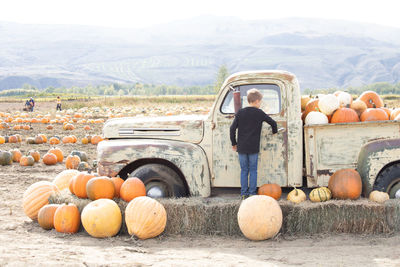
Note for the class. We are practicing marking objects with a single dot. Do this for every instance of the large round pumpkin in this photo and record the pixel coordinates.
(345, 99)
(315, 117)
(80, 182)
(6, 158)
(54, 141)
(345, 184)
(259, 217)
(371, 99)
(67, 218)
(100, 187)
(358, 106)
(63, 178)
(46, 216)
(328, 104)
(50, 159)
(72, 162)
(344, 115)
(145, 217)
(26, 161)
(132, 187)
(16, 154)
(101, 218)
(96, 139)
(304, 101)
(58, 152)
(36, 196)
(374, 114)
(35, 154)
(312, 105)
(272, 190)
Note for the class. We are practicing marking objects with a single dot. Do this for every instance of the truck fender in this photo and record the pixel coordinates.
(374, 157)
(190, 159)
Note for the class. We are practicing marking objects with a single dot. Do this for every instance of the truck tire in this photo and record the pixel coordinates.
(160, 181)
(389, 180)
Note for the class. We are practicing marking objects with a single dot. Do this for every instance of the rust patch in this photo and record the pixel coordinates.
(324, 172)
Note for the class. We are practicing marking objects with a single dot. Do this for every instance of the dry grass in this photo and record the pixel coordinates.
(218, 216)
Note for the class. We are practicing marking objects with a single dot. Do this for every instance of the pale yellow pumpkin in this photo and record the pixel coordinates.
(296, 196)
(145, 217)
(259, 217)
(36, 196)
(63, 178)
(101, 218)
(378, 196)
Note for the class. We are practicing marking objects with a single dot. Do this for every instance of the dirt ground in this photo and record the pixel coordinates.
(24, 243)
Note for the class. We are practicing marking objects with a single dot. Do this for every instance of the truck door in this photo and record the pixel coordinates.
(272, 161)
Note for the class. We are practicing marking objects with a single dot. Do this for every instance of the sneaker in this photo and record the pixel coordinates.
(244, 197)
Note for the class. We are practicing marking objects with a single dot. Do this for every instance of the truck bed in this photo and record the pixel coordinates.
(331, 147)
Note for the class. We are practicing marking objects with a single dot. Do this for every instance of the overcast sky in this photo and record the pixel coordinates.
(142, 13)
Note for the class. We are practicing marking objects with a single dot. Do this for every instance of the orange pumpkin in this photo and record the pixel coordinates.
(38, 139)
(49, 127)
(50, 159)
(371, 99)
(117, 181)
(312, 105)
(131, 188)
(13, 139)
(85, 141)
(26, 161)
(35, 154)
(388, 111)
(343, 115)
(46, 216)
(36, 196)
(100, 187)
(374, 114)
(79, 184)
(96, 139)
(68, 126)
(72, 162)
(67, 218)
(59, 154)
(272, 190)
(54, 141)
(44, 137)
(16, 154)
(86, 128)
(2, 140)
(67, 140)
(345, 184)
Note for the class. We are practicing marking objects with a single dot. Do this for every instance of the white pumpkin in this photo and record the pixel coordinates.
(315, 117)
(328, 104)
(259, 217)
(345, 99)
(378, 196)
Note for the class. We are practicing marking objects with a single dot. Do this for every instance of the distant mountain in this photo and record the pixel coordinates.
(322, 53)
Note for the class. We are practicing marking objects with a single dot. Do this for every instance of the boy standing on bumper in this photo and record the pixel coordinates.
(249, 121)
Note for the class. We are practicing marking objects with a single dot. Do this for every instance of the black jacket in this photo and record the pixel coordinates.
(249, 121)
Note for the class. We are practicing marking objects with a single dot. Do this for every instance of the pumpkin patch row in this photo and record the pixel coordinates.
(340, 108)
(55, 140)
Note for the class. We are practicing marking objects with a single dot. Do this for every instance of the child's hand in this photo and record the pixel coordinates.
(234, 148)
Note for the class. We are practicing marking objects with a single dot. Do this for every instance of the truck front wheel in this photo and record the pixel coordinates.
(389, 180)
(160, 181)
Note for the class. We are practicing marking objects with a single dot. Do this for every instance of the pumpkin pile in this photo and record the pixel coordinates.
(102, 217)
(340, 108)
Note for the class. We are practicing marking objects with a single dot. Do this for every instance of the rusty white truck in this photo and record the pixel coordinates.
(191, 155)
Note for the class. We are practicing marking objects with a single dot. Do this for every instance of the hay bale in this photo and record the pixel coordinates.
(218, 216)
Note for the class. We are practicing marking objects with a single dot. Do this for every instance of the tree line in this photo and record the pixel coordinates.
(382, 88)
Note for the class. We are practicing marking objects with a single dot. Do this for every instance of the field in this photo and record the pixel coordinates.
(24, 243)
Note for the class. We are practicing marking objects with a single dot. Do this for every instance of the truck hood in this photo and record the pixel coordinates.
(187, 128)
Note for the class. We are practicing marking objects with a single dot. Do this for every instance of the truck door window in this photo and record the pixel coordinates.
(271, 102)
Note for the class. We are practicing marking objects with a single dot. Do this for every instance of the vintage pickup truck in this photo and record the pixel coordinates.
(190, 155)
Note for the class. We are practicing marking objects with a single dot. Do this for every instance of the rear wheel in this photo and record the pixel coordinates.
(160, 181)
(389, 180)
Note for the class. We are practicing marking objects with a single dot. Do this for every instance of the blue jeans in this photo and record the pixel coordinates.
(248, 164)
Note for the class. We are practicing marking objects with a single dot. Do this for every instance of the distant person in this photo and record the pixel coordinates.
(32, 103)
(27, 105)
(58, 103)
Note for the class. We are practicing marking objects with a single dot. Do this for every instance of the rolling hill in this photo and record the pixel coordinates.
(322, 53)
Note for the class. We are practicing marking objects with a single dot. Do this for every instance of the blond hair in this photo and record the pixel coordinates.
(253, 95)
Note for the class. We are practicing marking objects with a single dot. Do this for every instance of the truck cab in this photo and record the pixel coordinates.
(189, 155)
